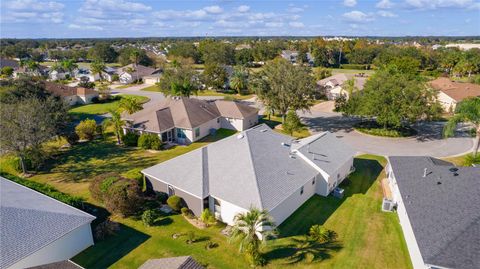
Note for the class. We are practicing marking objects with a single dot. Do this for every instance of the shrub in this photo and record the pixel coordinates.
(292, 122)
(86, 129)
(106, 228)
(115, 77)
(175, 202)
(162, 197)
(187, 212)
(207, 217)
(7, 71)
(130, 139)
(373, 128)
(210, 244)
(86, 84)
(72, 138)
(148, 217)
(46, 189)
(120, 195)
(149, 141)
(319, 233)
(134, 174)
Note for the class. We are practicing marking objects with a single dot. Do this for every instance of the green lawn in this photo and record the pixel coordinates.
(275, 122)
(87, 111)
(155, 88)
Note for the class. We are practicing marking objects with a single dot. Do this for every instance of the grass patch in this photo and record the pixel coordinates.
(226, 95)
(464, 160)
(88, 111)
(153, 88)
(275, 122)
(373, 128)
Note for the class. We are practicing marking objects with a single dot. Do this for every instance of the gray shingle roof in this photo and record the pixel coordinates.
(443, 209)
(252, 168)
(183, 262)
(29, 221)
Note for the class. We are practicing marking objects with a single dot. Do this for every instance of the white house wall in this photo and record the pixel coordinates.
(231, 123)
(283, 210)
(63, 249)
(413, 249)
(228, 210)
(446, 101)
(250, 122)
(204, 130)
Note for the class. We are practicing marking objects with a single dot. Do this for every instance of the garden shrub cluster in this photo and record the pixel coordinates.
(130, 139)
(120, 195)
(148, 217)
(86, 129)
(46, 189)
(373, 128)
(149, 141)
(175, 202)
(207, 217)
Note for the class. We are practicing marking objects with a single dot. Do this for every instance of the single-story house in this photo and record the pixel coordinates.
(57, 74)
(257, 168)
(38, 230)
(4, 62)
(86, 74)
(292, 56)
(438, 206)
(152, 79)
(72, 95)
(42, 71)
(333, 86)
(132, 72)
(450, 93)
(183, 262)
(185, 120)
(108, 73)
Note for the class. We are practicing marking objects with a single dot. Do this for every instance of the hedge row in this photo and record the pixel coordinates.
(46, 189)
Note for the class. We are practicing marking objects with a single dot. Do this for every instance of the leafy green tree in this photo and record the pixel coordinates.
(292, 123)
(130, 105)
(116, 121)
(239, 79)
(102, 52)
(185, 50)
(321, 73)
(243, 57)
(69, 66)
(98, 67)
(148, 217)
(7, 71)
(466, 111)
(282, 86)
(251, 229)
(181, 79)
(215, 76)
(216, 52)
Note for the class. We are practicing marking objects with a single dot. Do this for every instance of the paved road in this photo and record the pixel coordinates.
(427, 142)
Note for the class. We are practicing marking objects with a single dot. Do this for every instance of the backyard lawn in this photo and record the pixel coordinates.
(88, 111)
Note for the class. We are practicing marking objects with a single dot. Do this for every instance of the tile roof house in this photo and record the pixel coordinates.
(132, 72)
(72, 95)
(438, 205)
(4, 62)
(257, 168)
(183, 262)
(38, 230)
(450, 93)
(332, 86)
(185, 120)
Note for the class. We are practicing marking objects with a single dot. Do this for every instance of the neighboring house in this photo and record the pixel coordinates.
(152, 79)
(132, 72)
(4, 62)
(183, 262)
(185, 120)
(57, 74)
(450, 93)
(438, 206)
(292, 56)
(38, 230)
(84, 74)
(72, 95)
(333, 86)
(258, 168)
(22, 70)
(109, 73)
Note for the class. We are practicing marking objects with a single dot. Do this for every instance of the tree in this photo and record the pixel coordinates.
(321, 73)
(102, 52)
(7, 71)
(98, 67)
(239, 79)
(243, 57)
(319, 233)
(29, 116)
(216, 52)
(69, 65)
(283, 86)
(86, 129)
(116, 121)
(214, 76)
(393, 98)
(292, 123)
(130, 105)
(185, 50)
(181, 80)
(251, 229)
(466, 111)
(104, 91)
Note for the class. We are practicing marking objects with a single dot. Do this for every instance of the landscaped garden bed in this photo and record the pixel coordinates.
(373, 128)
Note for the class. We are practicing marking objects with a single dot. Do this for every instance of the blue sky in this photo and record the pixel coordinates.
(143, 18)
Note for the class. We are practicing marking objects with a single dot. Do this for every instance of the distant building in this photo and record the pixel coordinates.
(333, 86)
(71, 95)
(132, 72)
(292, 56)
(450, 93)
(464, 46)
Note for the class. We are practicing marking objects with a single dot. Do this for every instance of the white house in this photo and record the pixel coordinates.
(38, 230)
(450, 93)
(257, 168)
(186, 120)
(132, 72)
(57, 74)
(438, 206)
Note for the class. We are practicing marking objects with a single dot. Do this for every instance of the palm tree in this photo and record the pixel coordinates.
(251, 229)
(97, 68)
(130, 105)
(134, 56)
(69, 65)
(117, 123)
(320, 234)
(466, 111)
(239, 80)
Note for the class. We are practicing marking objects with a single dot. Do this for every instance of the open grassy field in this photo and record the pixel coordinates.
(88, 111)
(367, 237)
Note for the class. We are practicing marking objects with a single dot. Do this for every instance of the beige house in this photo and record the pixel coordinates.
(72, 95)
(333, 86)
(132, 72)
(185, 120)
(450, 93)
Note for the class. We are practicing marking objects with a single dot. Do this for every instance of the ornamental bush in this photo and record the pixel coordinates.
(149, 141)
(86, 129)
(130, 139)
(148, 217)
(175, 202)
(207, 217)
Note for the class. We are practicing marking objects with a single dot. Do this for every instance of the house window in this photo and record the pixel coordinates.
(218, 120)
(313, 181)
(181, 133)
(171, 190)
(197, 132)
(301, 190)
(338, 176)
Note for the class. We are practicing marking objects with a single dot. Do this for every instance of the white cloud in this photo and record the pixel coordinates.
(243, 8)
(434, 4)
(295, 9)
(33, 11)
(84, 27)
(274, 24)
(350, 3)
(384, 4)
(213, 9)
(34, 5)
(296, 24)
(115, 5)
(386, 14)
(357, 16)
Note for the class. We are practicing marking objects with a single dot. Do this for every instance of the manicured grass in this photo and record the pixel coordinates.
(275, 122)
(462, 160)
(155, 88)
(87, 111)
(367, 237)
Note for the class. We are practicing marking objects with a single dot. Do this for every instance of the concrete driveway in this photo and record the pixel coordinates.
(427, 142)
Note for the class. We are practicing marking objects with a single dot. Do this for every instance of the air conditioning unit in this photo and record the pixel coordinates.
(388, 205)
